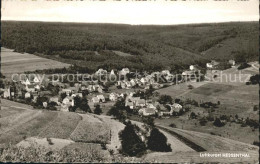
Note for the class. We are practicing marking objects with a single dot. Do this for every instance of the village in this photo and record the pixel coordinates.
(135, 89)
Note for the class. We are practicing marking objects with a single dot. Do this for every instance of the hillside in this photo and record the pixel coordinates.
(42, 135)
(148, 47)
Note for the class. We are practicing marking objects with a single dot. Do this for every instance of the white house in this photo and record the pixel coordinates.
(68, 101)
(67, 91)
(7, 93)
(133, 82)
(112, 72)
(124, 71)
(27, 95)
(176, 107)
(212, 64)
(232, 62)
(209, 65)
(147, 111)
(101, 71)
(165, 72)
(128, 84)
(192, 67)
(95, 100)
(113, 96)
(54, 99)
(37, 87)
(101, 98)
(44, 104)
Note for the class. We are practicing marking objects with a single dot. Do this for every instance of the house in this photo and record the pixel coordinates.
(7, 93)
(123, 84)
(95, 100)
(101, 71)
(67, 91)
(35, 96)
(27, 95)
(100, 90)
(165, 72)
(37, 87)
(44, 104)
(144, 80)
(77, 94)
(54, 99)
(133, 82)
(147, 111)
(151, 106)
(193, 67)
(124, 71)
(128, 84)
(187, 73)
(130, 104)
(175, 107)
(113, 96)
(30, 88)
(140, 103)
(232, 62)
(68, 101)
(154, 74)
(212, 64)
(101, 98)
(112, 72)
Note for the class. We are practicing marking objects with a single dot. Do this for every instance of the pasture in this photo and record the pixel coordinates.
(13, 62)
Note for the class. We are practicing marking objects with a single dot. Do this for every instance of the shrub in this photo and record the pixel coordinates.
(190, 87)
(203, 121)
(218, 123)
(173, 125)
(243, 66)
(256, 143)
(97, 110)
(255, 107)
(165, 99)
(193, 115)
(158, 142)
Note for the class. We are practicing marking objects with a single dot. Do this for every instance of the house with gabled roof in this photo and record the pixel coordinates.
(113, 96)
(147, 111)
(124, 71)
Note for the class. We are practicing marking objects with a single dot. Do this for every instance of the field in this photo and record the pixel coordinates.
(62, 126)
(27, 126)
(235, 98)
(90, 131)
(13, 62)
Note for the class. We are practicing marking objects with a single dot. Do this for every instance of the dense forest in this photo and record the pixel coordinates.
(149, 47)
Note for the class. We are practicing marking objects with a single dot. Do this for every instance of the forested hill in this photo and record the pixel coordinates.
(138, 47)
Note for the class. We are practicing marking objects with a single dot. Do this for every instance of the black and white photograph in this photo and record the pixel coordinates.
(129, 81)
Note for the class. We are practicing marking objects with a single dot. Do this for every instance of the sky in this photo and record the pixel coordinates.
(159, 12)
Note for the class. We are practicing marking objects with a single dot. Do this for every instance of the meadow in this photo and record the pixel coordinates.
(13, 62)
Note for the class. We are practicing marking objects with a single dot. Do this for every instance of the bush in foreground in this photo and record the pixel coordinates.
(132, 145)
(158, 141)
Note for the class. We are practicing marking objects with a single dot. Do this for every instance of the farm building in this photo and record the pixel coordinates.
(147, 111)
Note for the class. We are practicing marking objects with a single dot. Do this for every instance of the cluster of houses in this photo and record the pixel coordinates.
(32, 88)
(214, 64)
